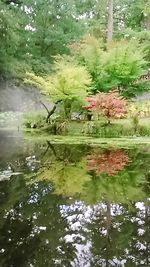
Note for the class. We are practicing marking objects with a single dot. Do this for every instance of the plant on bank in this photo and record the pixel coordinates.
(69, 83)
(136, 112)
(34, 119)
(111, 105)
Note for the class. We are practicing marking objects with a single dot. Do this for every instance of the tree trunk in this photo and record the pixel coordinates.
(67, 109)
(110, 21)
(50, 112)
(148, 16)
(89, 116)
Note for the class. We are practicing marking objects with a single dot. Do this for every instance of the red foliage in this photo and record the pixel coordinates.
(92, 103)
(109, 162)
(111, 104)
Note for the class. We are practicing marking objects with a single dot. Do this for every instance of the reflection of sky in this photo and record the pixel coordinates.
(79, 216)
(78, 233)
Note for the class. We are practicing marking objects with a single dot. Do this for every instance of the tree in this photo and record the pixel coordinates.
(110, 105)
(70, 82)
(55, 26)
(123, 65)
(118, 67)
(89, 52)
(147, 15)
(33, 32)
(126, 14)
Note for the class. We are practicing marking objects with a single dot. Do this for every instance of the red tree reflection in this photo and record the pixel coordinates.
(109, 162)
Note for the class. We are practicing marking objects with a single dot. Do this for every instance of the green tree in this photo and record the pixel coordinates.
(32, 32)
(118, 67)
(69, 82)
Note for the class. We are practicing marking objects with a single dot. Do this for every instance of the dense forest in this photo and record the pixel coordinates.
(33, 32)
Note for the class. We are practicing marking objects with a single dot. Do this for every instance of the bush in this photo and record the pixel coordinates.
(110, 105)
(142, 109)
(57, 127)
(35, 119)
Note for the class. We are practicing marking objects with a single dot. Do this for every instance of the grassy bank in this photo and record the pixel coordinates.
(118, 128)
(97, 129)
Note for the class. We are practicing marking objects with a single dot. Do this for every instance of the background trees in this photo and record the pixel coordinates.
(35, 31)
(32, 33)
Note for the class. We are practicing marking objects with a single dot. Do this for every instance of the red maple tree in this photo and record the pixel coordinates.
(111, 104)
(109, 162)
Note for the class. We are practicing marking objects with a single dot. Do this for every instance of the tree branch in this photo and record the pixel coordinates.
(50, 112)
(44, 106)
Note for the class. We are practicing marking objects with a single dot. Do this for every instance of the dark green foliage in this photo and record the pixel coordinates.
(32, 32)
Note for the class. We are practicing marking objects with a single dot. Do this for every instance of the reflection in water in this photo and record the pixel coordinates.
(109, 162)
(75, 206)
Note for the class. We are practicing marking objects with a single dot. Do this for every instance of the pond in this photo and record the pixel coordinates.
(73, 205)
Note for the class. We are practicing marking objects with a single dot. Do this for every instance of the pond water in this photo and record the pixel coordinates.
(73, 205)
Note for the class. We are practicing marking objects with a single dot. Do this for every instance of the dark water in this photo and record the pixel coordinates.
(64, 205)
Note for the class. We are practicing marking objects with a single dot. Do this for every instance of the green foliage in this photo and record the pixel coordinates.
(117, 129)
(135, 122)
(55, 24)
(60, 174)
(90, 54)
(124, 64)
(33, 32)
(34, 119)
(143, 37)
(131, 12)
(9, 36)
(92, 128)
(70, 82)
(119, 66)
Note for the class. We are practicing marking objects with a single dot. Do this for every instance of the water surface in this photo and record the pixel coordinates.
(73, 205)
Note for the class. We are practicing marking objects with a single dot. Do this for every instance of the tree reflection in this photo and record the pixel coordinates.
(77, 206)
(109, 175)
(109, 162)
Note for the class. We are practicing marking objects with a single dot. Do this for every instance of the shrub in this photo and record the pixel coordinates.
(34, 119)
(111, 105)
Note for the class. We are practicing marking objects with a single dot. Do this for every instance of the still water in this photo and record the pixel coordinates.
(73, 205)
